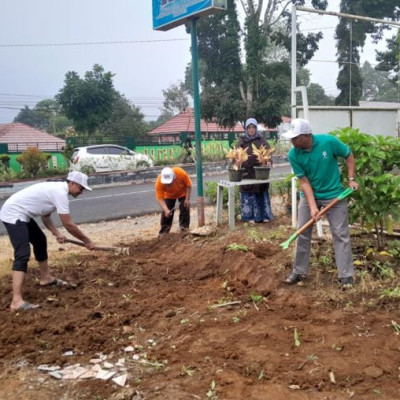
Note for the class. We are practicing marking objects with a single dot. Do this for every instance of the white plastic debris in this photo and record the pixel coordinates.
(105, 375)
(48, 368)
(108, 365)
(120, 380)
(55, 374)
(128, 349)
(75, 373)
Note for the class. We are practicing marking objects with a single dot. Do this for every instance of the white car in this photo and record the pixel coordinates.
(108, 157)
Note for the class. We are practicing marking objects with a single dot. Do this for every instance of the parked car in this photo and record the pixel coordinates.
(108, 157)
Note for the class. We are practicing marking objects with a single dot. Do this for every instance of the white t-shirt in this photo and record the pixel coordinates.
(36, 200)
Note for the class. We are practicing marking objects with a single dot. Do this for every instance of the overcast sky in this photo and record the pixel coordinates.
(35, 56)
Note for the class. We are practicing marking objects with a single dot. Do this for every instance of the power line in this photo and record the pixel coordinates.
(91, 43)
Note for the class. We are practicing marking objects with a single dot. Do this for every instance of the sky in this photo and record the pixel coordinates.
(35, 55)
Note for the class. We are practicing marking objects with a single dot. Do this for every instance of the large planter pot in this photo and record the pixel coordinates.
(262, 172)
(235, 175)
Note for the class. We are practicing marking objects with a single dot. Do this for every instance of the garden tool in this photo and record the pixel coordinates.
(117, 250)
(311, 222)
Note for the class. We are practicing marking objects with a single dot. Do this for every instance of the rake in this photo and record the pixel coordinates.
(285, 245)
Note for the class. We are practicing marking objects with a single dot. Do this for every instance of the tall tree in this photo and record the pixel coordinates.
(236, 87)
(377, 85)
(88, 102)
(351, 36)
(389, 60)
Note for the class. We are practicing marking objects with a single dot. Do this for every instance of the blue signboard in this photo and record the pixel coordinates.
(168, 14)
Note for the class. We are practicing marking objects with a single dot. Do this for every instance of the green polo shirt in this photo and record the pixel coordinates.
(320, 165)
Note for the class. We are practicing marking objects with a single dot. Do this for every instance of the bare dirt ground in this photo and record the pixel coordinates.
(168, 302)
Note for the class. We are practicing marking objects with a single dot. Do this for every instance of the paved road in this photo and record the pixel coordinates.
(116, 202)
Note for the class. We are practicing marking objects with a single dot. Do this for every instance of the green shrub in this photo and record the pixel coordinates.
(377, 202)
(32, 161)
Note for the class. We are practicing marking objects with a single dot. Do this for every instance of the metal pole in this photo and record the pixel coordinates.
(196, 100)
(351, 16)
(294, 63)
(294, 103)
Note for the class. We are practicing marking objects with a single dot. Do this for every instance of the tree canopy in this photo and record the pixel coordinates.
(88, 102)
(45, 116)
(236, 86)
(377, 85)
(351, 36)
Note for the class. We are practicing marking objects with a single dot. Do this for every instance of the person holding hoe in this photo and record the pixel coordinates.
(17, 215)
(171, 185)
(313, 159)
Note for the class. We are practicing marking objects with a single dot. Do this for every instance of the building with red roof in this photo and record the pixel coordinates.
(184, 123)
(19, 137)
(171, 130)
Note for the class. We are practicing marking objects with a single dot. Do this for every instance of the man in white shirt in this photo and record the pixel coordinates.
(17, 215)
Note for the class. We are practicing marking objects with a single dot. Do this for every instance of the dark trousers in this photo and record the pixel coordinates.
(184, 215)
(21, 234)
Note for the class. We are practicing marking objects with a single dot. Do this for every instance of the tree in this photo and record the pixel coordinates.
(389, 60)
(88, 102)
(45, 116)
(351, 36)
(316, 95)
(30, 117)
(125, 119)
(233, 90)
(377, 85)
(175, 98)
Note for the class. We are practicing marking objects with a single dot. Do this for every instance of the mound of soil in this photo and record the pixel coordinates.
(202, 318)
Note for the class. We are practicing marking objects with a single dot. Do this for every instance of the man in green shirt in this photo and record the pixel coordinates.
(314, 161)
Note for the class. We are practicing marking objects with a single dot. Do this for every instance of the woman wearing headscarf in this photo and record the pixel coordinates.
(255, 204)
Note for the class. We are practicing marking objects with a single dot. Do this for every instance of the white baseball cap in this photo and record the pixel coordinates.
(298, 127)
(79, 178)
(167, 175)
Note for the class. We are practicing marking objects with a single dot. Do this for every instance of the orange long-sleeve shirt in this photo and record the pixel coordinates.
(176, 189)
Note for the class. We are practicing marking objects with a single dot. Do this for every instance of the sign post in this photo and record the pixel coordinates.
(168, 14)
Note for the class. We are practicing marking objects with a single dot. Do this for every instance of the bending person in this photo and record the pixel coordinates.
(17, 215)
(171, 185)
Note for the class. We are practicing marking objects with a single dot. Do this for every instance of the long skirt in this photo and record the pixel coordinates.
(256, 207)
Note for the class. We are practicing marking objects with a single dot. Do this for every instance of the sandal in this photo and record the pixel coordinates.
(56, 282)
(26, 307)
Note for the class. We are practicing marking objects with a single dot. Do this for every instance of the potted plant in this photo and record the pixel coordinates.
(237, 156)
(263, 155)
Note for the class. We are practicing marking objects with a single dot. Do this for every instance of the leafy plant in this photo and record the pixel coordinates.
(377, 202)
(263, 153)
(237, 247)
(255, 297)
(33, 160)
(189, 371)
(237, 156)
(393, 294)
(211, 393)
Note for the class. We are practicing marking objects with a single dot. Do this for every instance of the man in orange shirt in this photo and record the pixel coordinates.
(171, 185)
